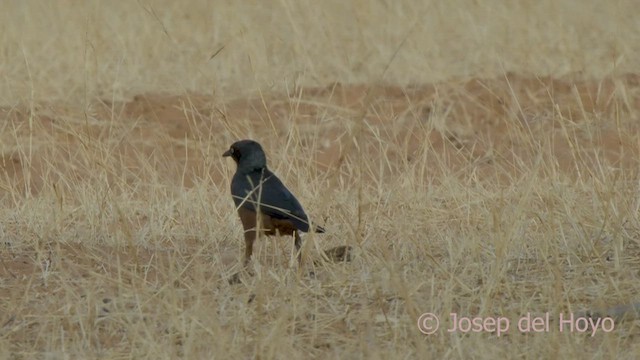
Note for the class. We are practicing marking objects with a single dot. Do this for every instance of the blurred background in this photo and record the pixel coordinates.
(74, 50)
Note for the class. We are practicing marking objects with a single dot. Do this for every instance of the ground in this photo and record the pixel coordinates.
(508, 193)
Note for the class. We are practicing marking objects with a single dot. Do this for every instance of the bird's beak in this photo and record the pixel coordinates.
(227, 153)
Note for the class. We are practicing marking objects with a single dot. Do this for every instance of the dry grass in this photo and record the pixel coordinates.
(481, 158)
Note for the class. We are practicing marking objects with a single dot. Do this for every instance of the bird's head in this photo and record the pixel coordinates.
(247, 154)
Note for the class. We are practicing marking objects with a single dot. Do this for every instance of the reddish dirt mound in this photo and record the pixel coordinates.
(494, 124)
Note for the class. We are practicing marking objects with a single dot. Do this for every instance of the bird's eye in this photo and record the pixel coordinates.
(232, 150)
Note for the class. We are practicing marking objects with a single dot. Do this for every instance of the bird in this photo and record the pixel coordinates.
(263, 202)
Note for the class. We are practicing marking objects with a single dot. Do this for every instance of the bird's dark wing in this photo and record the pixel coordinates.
(263, 188)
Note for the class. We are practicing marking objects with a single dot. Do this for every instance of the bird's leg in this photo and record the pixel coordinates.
(249, 238)
(298, 245)
(250, 225)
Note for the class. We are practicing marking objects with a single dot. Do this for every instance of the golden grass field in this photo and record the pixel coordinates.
(481, 158)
